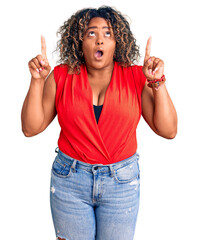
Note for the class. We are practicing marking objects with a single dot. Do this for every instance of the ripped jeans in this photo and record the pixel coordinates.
(94, 202)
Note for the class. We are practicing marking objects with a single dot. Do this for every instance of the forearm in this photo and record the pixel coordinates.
(32, 115)
(164, 116)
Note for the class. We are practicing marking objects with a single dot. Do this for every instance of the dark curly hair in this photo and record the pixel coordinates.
(72, 31)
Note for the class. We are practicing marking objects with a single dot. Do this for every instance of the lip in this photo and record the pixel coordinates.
(97, 56)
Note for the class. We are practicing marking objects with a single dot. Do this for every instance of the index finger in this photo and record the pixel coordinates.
(148, 50)
(43, 46)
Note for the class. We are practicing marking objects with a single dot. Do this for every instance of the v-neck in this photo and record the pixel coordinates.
(106, 94)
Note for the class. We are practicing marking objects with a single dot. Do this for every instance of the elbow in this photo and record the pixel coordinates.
(30, 132)
(168, 133)
(27, 133)
(171, 134)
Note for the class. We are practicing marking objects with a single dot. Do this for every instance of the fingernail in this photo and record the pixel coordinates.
(42, 62)
(37, 70)
(149, 59)
(40, 69)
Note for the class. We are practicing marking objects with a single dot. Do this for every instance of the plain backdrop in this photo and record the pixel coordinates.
(169, 168)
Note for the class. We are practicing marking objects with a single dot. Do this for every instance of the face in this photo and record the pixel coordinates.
(98, 44)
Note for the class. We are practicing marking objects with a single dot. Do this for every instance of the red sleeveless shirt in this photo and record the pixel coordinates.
(114, 137)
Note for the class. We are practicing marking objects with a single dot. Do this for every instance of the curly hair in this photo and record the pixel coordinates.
(72, 31)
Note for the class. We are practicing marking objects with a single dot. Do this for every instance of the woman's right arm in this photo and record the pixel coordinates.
(38, 109)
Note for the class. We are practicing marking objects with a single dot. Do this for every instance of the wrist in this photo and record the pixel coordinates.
(37, 81)
(158, 90)
(156, 83)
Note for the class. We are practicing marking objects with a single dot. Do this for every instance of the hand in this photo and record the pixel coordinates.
(39, 66)
(153, 67)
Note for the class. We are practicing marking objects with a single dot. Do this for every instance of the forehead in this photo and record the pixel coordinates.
(98, 21)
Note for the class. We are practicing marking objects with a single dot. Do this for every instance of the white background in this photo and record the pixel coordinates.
(169, 168)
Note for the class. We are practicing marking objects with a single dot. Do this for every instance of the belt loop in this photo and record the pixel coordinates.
(138, 156)
(73, 167)
(57, 150)
(112, 171)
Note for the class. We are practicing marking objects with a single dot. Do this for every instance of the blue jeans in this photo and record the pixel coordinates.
(94, 202)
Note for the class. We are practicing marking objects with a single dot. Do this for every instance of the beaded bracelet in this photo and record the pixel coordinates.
(156, 83)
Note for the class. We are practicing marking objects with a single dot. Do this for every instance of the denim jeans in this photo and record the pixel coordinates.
(94, 202)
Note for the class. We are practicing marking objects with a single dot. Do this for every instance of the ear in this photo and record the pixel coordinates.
(82, 57)
(81, 53)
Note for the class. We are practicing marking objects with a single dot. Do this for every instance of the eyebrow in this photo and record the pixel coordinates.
(97, 27)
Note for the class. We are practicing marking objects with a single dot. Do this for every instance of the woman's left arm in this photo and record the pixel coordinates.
(157, 107)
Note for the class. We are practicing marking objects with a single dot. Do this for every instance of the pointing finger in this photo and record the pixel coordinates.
(43, 46)
(148, 50)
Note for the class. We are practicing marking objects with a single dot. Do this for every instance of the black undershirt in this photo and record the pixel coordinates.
(97, 111)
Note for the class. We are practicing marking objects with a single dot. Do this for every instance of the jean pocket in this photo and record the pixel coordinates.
(127, 173)
(61, 168)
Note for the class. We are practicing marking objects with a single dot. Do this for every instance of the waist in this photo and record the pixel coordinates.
(89, 167)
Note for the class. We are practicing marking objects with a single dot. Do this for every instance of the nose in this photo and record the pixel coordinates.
(99, 42)
(99, 39)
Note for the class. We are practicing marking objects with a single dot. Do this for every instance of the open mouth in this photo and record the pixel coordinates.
(99, 54)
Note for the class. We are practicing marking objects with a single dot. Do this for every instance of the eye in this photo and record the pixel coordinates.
(91, 34)
(108, 34)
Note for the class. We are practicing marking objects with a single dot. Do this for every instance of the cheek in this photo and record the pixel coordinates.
(86, 53)
(84, 45)
(86, 48)
(83, 48)
(112, 48)
(112, 45)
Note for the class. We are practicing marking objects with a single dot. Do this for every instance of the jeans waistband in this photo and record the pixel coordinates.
(93, 167)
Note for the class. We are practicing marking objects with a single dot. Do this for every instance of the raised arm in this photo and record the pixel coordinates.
(39, 105)
(157, 107)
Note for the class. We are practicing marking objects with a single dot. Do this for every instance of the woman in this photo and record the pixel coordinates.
(99, 95)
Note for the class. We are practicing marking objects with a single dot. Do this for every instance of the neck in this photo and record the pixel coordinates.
(100, 73)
